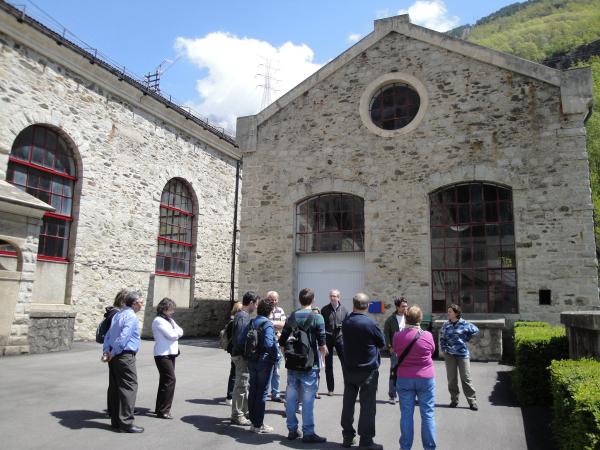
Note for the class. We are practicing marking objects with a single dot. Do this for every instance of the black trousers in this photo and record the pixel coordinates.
(364, 384)
(122, 389)
(338, 344)
(166, 383)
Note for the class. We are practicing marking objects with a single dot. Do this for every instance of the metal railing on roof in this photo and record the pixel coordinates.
(63, 36)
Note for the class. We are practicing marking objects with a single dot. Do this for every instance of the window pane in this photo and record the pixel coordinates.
(473, 244)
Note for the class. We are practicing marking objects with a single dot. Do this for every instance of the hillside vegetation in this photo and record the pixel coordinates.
(539, 30)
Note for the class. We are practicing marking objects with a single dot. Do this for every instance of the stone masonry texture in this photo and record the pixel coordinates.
(125, 157)
(483, 123)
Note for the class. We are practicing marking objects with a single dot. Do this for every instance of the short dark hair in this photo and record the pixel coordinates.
(399, 301)
(250, 297)
(164, 305)
(131, 297)
(120, 298)
(306, 296)
(265, 307)
(457, 309)
(360, 301)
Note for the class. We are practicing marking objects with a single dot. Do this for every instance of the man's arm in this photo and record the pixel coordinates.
(379, 338)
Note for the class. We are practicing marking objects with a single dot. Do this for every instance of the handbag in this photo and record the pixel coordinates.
(394, 370)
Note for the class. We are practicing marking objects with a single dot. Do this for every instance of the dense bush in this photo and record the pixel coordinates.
(531, 324)
(535, 348)
(576, 406)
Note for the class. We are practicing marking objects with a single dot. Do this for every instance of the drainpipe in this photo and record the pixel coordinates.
(235, 232)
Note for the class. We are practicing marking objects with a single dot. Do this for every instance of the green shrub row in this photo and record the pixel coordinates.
(576, 406)
(535, 348)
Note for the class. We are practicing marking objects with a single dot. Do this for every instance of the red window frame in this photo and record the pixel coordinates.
(473, 260)
(175, 235)
(394, 106)
(40, 164)
(321, 228)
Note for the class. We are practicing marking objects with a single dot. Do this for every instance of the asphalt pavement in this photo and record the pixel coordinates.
(57, 401)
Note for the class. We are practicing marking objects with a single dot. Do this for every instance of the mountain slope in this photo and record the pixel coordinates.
(537, 29)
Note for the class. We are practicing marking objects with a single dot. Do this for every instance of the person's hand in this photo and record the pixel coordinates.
(323, 350)
(104, 357)
(109, 356)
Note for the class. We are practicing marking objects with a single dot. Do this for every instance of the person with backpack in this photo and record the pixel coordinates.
(239, 404)
(415, 379)
(362, 340)
(121, 344)
(301, 340)
(227, 344)
(111, 312)
(260, 350)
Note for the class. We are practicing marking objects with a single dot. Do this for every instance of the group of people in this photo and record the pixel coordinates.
(120, 346)
(262, 326)
(357, 340)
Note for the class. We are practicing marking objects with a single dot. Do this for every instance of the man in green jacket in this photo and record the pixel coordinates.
(392, 325)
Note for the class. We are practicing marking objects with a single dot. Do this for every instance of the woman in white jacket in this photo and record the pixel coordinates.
(166, 348)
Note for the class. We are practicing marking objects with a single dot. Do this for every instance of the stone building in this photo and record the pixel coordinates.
(421, 165)
(142, 193)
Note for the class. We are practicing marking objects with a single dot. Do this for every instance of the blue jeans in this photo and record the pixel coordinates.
(260, 371)
(274, 382)
(302, 384)
(424, 390)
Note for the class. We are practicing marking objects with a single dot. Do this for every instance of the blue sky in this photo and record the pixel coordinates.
(221, 45)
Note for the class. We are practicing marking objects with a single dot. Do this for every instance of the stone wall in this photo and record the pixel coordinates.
(482, 123)
(50, 331)
(127, 147)
(204, 318)
(487, 345)
(583, 331)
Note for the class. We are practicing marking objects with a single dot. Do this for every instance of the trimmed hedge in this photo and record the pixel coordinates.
(535, 348)
(576, 391)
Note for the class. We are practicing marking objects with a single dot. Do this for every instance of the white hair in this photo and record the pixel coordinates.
(334, 291)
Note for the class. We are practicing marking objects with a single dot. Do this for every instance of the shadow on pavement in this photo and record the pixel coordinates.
(223, 427)
(536, 419)
(78, 419)
(207, 401)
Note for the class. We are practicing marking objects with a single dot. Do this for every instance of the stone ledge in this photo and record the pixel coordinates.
(589, 320)
(39, 311)
(487, 323)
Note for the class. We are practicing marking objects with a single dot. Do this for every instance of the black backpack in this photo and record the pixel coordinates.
(253, 343)
(299, 354)
(105, 324)
(225, 336)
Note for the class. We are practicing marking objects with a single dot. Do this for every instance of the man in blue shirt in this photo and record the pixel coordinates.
(362, 341)
(302, 384)
(121, 343)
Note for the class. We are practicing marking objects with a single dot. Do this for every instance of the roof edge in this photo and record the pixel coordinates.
(401, 24)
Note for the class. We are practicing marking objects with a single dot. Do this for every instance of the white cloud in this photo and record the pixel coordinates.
(229, 88)
(354, 37)
(431, 14)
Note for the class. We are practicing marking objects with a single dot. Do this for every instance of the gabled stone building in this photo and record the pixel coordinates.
(140, 193)
(421, 165)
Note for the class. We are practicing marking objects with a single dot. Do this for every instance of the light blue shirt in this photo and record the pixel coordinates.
(123, 334)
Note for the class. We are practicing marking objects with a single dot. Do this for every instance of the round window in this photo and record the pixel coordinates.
(394, 106)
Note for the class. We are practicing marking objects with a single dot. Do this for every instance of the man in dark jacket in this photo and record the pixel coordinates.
(362, 341)
(333, 314)
(392, 325)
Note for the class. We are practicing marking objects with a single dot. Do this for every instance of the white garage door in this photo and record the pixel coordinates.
(325, 271)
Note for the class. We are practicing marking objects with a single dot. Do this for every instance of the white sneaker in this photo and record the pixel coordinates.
(262, 429)
(299, 408)
(228, 401)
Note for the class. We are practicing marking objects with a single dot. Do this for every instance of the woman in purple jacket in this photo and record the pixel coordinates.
(415, 380)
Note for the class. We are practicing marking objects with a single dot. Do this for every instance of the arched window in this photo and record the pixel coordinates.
(473, 259)
(41, 164)
(175, 236)
(330, 223)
